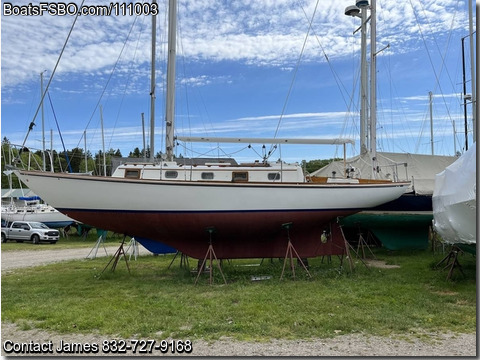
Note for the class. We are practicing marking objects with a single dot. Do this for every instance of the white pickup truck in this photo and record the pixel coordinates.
(35, 232)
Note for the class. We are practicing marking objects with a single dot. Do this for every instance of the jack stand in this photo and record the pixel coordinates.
(362, 244)
(133, 244)
(210, 254)
(289, 253)
(101, 240)
(183, 260)
(348, 254)
(452, 255)
(116, 257)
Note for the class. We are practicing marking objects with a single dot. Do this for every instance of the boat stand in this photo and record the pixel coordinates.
(210, 255)
(347, 252)
(183, 260)
(133, 244)
(100, 241)
(451, 261)
(362, 244)
(116, 257)
(289, 254)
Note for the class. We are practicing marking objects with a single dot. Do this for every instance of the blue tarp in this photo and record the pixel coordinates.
(30, 198)
(155, 246)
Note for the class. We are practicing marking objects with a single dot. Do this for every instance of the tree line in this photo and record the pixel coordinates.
(81, 162)
(78, 161)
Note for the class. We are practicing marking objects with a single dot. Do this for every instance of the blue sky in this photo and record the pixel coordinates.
(238, 70)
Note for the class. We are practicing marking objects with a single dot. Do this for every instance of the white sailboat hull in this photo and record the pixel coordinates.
(247, 217)
(44, 214)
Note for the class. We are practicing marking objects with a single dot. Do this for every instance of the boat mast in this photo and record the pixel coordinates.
(170, 105)
(360, 10)
(464, 94)
(152, 88)
(85, 145)
(43, 122)
(430, 97)
(363, 75)
(103, 143)
(373, 86)
(472, 69)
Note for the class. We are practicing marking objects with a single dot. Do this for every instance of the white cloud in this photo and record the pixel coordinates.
(256, 33)
(266, 32)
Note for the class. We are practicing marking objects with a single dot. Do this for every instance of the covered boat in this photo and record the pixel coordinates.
(403, 223)
(455, 202)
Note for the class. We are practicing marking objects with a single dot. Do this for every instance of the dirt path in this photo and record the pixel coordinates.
(347, 345)
(29, 258)
(432, 344)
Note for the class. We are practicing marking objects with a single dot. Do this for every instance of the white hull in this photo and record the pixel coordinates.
(247, 217)
(44, 214)
(105, 193)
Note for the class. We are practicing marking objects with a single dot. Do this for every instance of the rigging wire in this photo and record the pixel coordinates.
(218, 148)
(437, 78)
(187, 98)
(272, 148)
(337, 79)
(60, 133)
(110, 76)
(129, 76)
(32, 124)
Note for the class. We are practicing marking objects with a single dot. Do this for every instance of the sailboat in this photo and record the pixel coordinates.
(403, 223)
(32, 209)
(455, 202)
(246, 210)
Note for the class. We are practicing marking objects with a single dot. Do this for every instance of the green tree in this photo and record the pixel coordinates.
(314, 165)
(136, 153)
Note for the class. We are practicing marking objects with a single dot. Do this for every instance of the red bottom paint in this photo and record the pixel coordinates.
(234, 235)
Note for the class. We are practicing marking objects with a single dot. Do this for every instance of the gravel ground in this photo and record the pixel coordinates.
(426, 345)
(28, 258)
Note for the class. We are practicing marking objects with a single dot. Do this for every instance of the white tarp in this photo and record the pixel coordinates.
(454, 200)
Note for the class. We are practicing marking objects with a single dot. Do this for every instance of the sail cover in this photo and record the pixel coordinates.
(454, 200)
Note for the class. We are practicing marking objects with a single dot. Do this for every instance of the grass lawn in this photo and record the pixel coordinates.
(156, 302)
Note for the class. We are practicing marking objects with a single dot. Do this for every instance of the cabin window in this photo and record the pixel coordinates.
(207, 175)
(274, 176)
(240, 176)
(132, 174)
(171, 174)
